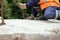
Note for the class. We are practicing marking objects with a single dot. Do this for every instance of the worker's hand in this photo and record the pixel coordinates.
(21, 5)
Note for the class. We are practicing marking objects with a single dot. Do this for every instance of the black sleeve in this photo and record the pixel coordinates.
(31, 3)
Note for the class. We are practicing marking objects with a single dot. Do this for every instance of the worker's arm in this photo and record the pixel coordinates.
(28, 5)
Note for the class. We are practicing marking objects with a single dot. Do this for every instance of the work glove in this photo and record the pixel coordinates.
(21, 5)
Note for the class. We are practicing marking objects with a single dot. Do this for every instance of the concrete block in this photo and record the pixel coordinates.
(20, 36)
(6, 37)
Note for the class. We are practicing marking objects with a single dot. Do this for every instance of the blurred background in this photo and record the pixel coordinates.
(12, 11)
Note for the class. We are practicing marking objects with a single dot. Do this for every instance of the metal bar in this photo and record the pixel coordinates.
(2, 11)
(21, 9)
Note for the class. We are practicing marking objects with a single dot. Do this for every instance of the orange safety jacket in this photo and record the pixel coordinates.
(46, 3)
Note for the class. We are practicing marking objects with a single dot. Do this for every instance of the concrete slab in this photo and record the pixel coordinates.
(31, 29)
(27, 26)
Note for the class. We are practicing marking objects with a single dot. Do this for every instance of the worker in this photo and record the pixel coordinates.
(48, 7)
